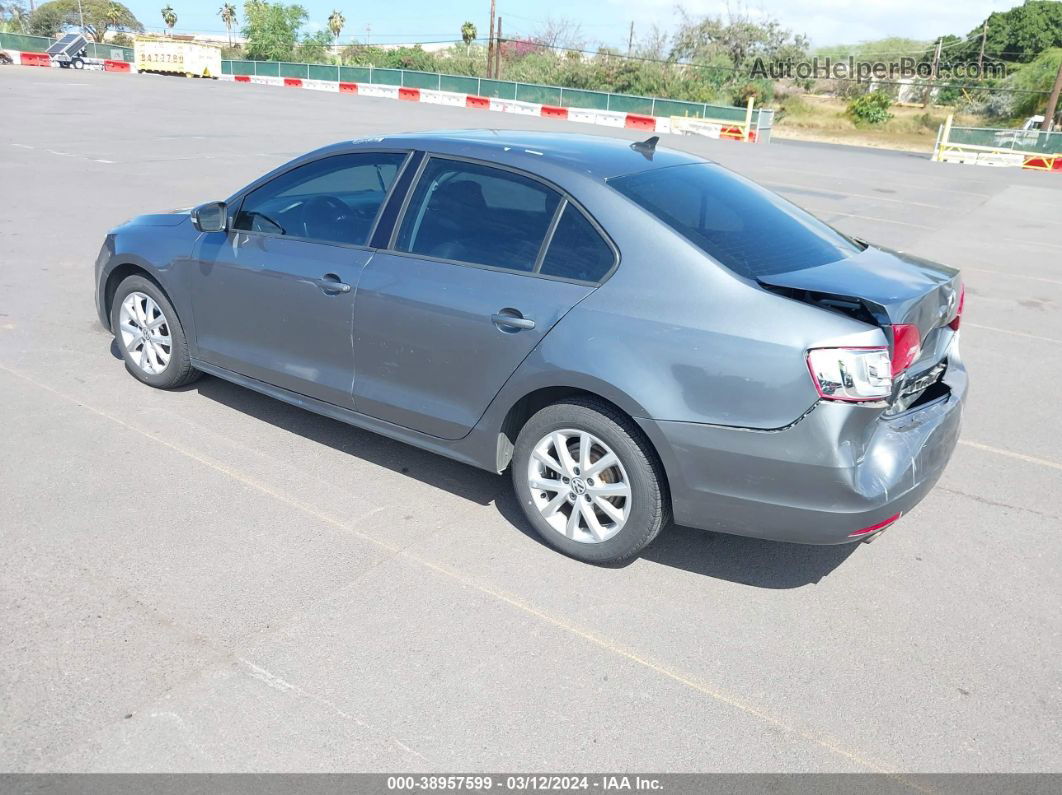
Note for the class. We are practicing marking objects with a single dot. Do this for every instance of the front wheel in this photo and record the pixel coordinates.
(150, 336)
(77, 63)
(589, 482)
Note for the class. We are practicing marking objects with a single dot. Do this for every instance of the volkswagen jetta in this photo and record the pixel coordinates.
(635, 332)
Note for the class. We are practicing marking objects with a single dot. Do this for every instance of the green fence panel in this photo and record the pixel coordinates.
(502, 89)
(1019, 140)
(238, 67)
(420, 79)
(631, 104)
(387, 77)
(18, 41)
(459, 84)
(354, 74)
(724, 112)
(266, 68)
(672, 107)
(532, 92)
(323, 72)
(109, 52)
(301, 70)
(578, 98)
(226, 67)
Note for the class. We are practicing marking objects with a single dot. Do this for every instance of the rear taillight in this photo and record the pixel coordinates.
(906, 345)
(955, 321)
(862, 374)
(851, 374)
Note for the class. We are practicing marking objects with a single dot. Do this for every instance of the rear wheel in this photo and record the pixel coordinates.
(589, 482)
(77, 63)
(150, 335)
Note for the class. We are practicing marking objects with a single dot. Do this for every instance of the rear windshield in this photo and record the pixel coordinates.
(743, 226)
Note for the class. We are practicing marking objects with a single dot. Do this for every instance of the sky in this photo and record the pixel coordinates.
(606, 21)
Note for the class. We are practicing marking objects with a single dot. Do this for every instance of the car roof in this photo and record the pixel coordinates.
(587, 155)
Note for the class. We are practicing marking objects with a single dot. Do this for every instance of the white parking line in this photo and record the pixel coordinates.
(1014, 333)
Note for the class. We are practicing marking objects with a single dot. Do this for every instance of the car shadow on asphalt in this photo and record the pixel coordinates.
(748, 561)
(722, 556)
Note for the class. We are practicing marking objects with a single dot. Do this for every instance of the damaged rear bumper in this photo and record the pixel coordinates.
(840, 469)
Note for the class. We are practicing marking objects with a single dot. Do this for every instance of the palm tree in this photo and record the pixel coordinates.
(468, 35)
(228, 15)
(169, 16)
(115, 15)
(335, 24)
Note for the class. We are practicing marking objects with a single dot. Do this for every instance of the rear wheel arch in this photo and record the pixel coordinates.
(533, 402)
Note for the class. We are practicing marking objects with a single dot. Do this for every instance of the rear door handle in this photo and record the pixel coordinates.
(511, 320)
(330, 283)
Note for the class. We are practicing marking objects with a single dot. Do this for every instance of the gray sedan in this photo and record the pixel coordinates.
(638, 334)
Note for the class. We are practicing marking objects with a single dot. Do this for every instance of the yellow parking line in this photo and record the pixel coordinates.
(600, 641)
(1029, 459)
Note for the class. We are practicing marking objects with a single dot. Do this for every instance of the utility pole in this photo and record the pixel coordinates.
(933, 78)
(630, 40)
(497, 52)
(1052, 103)
(490, 42)
(981, 57)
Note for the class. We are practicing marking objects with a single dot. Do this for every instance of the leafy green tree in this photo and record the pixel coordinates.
(272, 29)
(315, 48)
(100, 16)
(228, 15)
(1020, 34)
(738, 39)
(169, 16)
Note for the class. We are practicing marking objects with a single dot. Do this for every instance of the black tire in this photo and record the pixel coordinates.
(178, 370)
(651, 508)
(77, 63)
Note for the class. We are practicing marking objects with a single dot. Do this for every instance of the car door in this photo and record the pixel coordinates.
(447, 314)
(273, 296)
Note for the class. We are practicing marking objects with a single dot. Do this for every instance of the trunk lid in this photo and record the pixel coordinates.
(886, 288)
(891, 286)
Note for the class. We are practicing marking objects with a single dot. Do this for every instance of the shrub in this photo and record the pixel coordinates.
(870, 109)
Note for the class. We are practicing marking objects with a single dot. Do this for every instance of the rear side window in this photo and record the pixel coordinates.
(478, 214)
(577, 250)
(331, 200)
(743, 226)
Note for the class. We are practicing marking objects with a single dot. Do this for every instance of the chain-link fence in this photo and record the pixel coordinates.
(25, 43)
(483, 87)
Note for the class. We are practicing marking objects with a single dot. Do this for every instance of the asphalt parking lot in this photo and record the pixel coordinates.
(210, 580)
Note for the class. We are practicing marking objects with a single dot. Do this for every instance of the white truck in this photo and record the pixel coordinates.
(174, 57)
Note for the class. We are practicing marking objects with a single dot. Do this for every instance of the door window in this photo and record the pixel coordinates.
(331, 200)
(477, 214)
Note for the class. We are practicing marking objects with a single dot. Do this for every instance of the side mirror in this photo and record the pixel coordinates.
(210, 217)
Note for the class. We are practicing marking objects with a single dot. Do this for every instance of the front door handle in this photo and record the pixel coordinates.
(330, 283)
(511, 320)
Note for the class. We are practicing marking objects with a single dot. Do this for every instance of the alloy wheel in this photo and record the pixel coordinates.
(145, 333)
(579, 486)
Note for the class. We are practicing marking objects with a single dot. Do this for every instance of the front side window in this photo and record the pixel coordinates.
(477, 214)
(331, 200)
(741, 225)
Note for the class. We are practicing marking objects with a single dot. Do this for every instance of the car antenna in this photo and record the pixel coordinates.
(646, 148)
